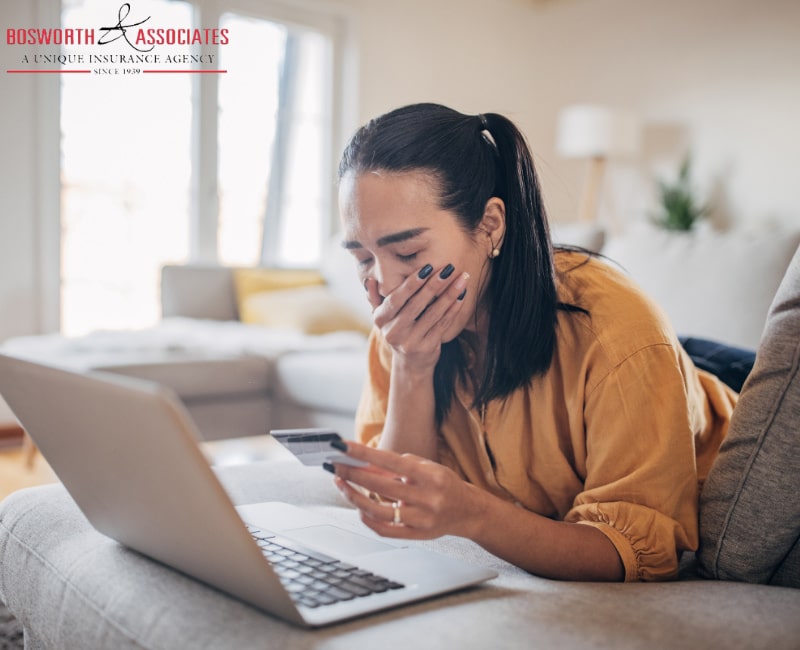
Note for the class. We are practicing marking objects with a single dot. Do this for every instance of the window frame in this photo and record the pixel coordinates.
(47, 203)
(333, 21)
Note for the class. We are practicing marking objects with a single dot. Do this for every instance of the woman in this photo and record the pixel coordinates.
(532, 400)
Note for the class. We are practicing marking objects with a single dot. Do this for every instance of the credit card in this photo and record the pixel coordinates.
(313, 446)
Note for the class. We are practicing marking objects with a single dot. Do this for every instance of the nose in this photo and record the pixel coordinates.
(387, 278)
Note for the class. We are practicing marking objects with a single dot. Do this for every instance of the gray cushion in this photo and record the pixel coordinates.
(750, 504)
(196, 291)
(198, 378)
(74, 588)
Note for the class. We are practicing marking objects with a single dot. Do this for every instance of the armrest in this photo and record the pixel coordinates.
(196, 291)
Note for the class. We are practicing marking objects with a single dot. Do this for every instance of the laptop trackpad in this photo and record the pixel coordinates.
(337, 541)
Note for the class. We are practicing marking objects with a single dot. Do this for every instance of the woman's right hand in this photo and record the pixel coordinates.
(415, 316)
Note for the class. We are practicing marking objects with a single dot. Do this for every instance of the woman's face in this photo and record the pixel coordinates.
(393, 226)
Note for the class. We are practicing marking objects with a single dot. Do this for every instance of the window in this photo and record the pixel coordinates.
(139, 154)
(274, 130)
(125, 178)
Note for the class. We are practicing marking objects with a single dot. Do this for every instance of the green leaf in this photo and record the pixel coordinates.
(679, 208)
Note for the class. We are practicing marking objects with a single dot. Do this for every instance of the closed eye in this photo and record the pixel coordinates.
(407, 258)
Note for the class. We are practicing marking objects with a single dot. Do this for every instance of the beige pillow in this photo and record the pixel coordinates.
(310, 309)
(248, 281)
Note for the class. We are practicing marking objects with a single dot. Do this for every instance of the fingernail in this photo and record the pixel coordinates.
(461, 295)
(328, 467)
(366, 288)
(447, 271)
(341, 445)
(425, 271)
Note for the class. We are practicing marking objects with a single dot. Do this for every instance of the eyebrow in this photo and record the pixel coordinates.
(394, 238)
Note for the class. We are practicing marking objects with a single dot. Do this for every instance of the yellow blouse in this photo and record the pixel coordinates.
(618, 434)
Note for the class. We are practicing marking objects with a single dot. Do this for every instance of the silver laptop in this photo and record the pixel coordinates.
(127, 452)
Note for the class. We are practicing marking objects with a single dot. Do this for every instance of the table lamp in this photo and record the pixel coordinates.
(596, 133)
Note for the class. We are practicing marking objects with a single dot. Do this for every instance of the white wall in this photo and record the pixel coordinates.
(718, 76)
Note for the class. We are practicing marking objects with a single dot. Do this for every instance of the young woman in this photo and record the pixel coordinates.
(532, 400)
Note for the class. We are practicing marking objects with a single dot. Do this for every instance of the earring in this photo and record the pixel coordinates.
(495, 251)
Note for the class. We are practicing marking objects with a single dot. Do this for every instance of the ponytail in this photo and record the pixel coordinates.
(522, 292)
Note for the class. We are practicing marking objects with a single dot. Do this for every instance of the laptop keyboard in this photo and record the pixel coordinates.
(314, 579)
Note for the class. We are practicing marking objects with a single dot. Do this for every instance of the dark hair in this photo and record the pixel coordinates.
(475, 158)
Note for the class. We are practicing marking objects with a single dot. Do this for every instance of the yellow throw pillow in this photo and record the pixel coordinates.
(250, 281)
(310, 309)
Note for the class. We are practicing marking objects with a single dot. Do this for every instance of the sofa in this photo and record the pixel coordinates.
(244, 378)
(71, 587)
(236, 379)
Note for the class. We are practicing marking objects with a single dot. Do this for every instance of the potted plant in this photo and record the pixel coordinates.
(679, 209)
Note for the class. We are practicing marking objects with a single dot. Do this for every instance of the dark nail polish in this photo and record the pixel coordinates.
(447, 271)
(366, 288)
(461, 295)
(341, 445)
(328, 467)
(425, 271)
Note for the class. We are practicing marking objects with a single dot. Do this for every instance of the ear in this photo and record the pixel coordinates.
(493, 223)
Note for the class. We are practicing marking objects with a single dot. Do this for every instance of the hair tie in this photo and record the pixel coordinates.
(486, 134)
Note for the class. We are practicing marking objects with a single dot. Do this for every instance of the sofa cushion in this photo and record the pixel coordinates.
(749, 506)
(312, 310)
(249, 281)
(584, 235)
(74, 588)
(328, 381)
(713, 285)
(197, 291)
(200, 378)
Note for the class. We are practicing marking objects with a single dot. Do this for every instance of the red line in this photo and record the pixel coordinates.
(187, 71)
(48, 71)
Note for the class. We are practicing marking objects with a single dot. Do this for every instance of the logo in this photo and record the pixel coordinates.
(134, 40)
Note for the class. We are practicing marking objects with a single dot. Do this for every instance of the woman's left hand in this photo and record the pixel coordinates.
(419, 499)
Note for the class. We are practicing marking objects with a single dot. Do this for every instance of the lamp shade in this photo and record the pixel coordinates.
(588, 131)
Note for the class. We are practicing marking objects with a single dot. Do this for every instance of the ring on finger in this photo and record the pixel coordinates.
(397, 519)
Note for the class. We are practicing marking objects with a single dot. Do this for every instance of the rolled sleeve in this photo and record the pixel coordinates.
(640, 487)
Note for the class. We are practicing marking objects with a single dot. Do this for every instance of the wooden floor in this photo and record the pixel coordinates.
(15, 474)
